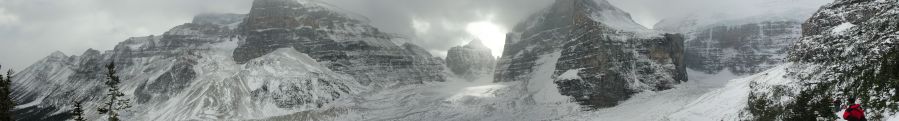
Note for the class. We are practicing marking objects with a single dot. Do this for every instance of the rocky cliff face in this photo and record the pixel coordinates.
(741, 45)
(594, 53)
(344, 43)
(472, 61)
(155, 69)
(848, 49)
(283, 57)
(741, 49)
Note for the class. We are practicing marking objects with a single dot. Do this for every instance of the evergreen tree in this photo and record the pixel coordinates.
(116, 100)
(6, 102)
(78, 113)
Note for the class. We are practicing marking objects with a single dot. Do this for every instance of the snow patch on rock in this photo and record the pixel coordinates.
(570, 74)
(840, 29)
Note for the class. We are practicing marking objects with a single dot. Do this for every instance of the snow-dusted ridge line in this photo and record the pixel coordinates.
(333, 8)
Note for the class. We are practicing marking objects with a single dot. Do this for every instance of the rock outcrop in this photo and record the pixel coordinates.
(847, 49)
(284, 57)
(743, 46)
(593, 51)
(472, 61)
(343, 43)
(154, 69)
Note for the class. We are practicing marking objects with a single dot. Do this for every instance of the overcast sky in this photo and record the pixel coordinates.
(32, 29)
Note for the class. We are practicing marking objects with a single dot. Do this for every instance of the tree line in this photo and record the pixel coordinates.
(112, 106)
(6, 102)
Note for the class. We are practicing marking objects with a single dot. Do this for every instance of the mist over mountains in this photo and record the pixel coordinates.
(556, 60)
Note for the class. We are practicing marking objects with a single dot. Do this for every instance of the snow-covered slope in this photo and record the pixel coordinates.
(154, 68)
(280, 83)
(730, 101)
(212, 68)
(659, 105)
(456, 100)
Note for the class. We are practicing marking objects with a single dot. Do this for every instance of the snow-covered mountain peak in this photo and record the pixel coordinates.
(91, 52)
(598, 10)
(57, 54)
(221, 19)
(563, 13)
(582, 4)
(336, 39)
(476, 44)
(268, 15)
(274, 24)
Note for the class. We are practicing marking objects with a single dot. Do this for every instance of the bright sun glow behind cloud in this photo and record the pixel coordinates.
(493, 36)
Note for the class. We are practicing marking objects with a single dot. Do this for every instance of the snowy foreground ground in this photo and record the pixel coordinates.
(654, 106)
(482, 100)
(707, 97)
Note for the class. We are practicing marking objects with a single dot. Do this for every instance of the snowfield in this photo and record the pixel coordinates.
(728, 102)
(537, 99)
(708, 97)
(655, 106)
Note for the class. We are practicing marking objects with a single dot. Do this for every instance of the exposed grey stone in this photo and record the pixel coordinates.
(613, 58)
(471, 61)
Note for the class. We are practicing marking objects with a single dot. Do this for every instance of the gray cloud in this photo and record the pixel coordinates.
(31, 29)
(648, 12)
(442, 23)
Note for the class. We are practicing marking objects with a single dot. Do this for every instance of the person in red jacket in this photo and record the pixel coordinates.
(854, 112)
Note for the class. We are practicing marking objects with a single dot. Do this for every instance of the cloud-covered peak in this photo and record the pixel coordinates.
(575, 12)
(476, 44)
(218, 18)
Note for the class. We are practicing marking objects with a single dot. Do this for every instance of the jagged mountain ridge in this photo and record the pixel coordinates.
(207, 70)
(154, 64)
(599, 55)
(342, 43)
